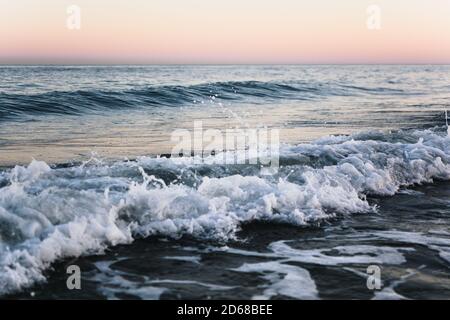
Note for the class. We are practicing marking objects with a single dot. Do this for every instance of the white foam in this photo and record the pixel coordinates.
(287, 280)
(49, 214)
(191, 259)
(112, 282)
(439, 244)
(295, 282)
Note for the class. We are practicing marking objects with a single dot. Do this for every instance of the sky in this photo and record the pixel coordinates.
(225, 31)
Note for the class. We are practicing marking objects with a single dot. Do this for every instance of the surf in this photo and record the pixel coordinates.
(49, 213)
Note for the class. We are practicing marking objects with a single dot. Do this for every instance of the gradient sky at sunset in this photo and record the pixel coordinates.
(224, 31)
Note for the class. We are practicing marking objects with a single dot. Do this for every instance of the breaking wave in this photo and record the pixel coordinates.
(50, 213)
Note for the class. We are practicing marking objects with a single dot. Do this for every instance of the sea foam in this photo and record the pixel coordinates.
(48, 214)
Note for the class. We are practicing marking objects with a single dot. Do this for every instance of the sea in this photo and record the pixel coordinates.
(357, 208)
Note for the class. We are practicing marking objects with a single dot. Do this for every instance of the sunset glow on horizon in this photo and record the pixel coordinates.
(232, 31)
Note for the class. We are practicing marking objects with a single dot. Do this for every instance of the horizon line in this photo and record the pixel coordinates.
(230, 64)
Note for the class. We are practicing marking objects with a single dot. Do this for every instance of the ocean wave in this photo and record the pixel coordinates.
(19, 106)
(51, 213)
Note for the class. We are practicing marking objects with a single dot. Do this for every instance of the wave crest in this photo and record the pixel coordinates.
(48, 214)
(16, 106)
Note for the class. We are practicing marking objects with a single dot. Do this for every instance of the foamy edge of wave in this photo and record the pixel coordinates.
(69, 212)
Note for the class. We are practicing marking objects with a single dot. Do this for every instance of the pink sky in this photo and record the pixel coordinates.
(224, 31)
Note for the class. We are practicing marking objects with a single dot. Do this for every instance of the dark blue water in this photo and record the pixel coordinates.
(363, 181)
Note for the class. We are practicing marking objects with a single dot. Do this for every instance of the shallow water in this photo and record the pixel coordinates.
(174, 228)
(282, 261)
(61, 114)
